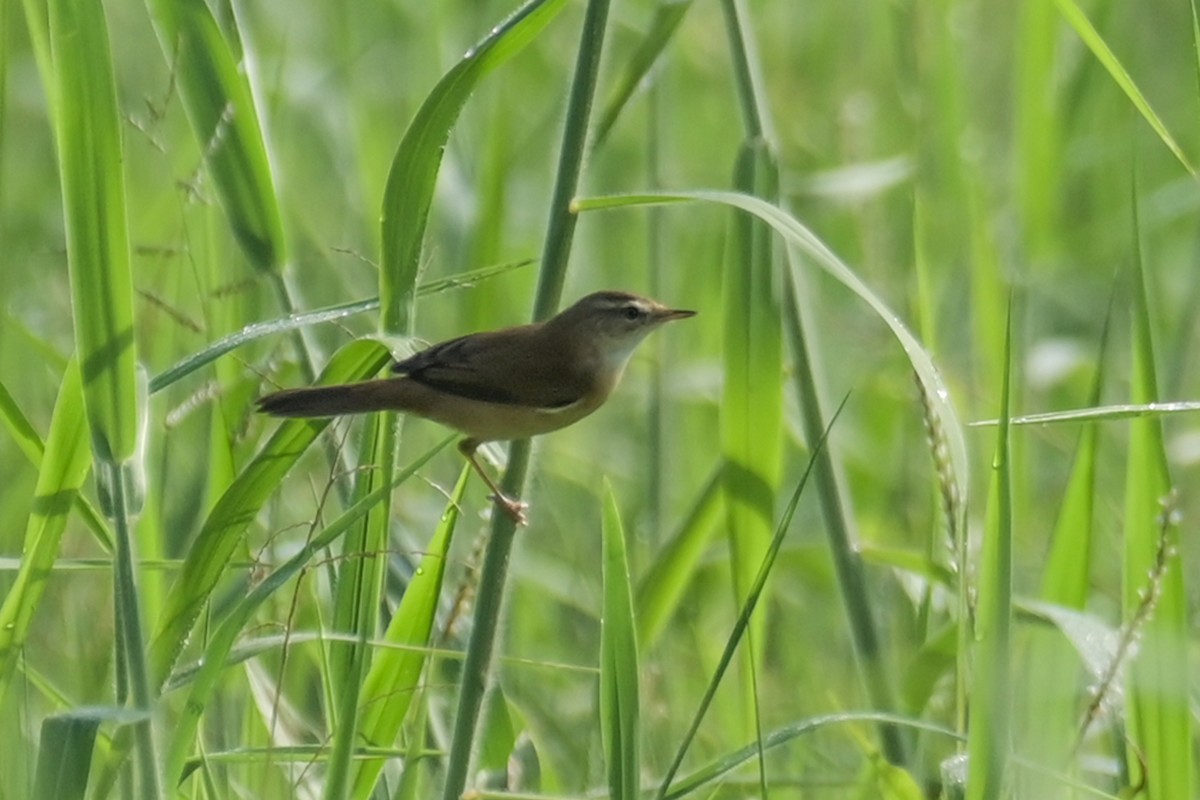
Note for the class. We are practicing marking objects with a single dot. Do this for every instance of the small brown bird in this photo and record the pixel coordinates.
(507, 384)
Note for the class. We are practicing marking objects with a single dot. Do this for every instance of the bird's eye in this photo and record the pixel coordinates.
(632, 313)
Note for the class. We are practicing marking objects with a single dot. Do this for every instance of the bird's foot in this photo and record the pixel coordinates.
(514, 508)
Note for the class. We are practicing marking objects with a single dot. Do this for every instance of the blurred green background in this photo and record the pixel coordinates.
(949, 152)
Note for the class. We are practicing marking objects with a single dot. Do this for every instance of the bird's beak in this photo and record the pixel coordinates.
(668, 314)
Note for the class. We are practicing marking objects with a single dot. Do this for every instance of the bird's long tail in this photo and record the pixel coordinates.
(331, 401)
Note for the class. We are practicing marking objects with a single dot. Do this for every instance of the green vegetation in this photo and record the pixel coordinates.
(781, 562)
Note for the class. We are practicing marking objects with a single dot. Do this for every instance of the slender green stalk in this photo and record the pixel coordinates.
(559, 234)
(130, 620)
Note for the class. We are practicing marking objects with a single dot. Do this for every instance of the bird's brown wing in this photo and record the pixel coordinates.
(497, 367)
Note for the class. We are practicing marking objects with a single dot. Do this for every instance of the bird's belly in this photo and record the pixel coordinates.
(500, 421)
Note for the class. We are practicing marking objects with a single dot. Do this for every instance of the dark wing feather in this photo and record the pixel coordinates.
(499, 367)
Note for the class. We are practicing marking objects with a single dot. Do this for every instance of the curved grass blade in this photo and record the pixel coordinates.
(216, 657)
(800, 236)
(619, 697)
(394, 678)
(220, 106)
(413, 174)
(207, 558)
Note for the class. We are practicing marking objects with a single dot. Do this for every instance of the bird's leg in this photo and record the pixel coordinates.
(514, 508)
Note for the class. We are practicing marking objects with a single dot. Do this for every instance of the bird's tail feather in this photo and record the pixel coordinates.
(331, 401)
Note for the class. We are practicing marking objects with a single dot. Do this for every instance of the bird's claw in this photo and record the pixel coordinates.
(514, 508)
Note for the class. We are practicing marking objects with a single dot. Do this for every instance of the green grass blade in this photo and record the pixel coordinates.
(413, 174)
(1103, 413)
(619, 696)
(22, 433)
(394, 678)
(1100, 49)
(991, 683)
(668, 15)
(64, 467)
(65, 756)
(1049, 700)
(356, 604)
(237, 508)
(710, 773)
(220, 106)
(1159, 719)
(661, 589)
(746, 612)
(91, 167)
(216, 655)
(27, 439)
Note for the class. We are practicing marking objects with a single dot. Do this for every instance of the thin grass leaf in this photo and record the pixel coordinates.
(22, 433)
(1102, 413)
(1100, 49)
(668, 15)
(215, 88)
(30, 443)
(91, 168)
(64, 467)
(991, 684)
(746, 612)
(1159, 719)
(619, 696)
(207, 558)
(358, 587)
(413, 173)
(662, 588)
(217, 653)
(395, 674)
(751, 411)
